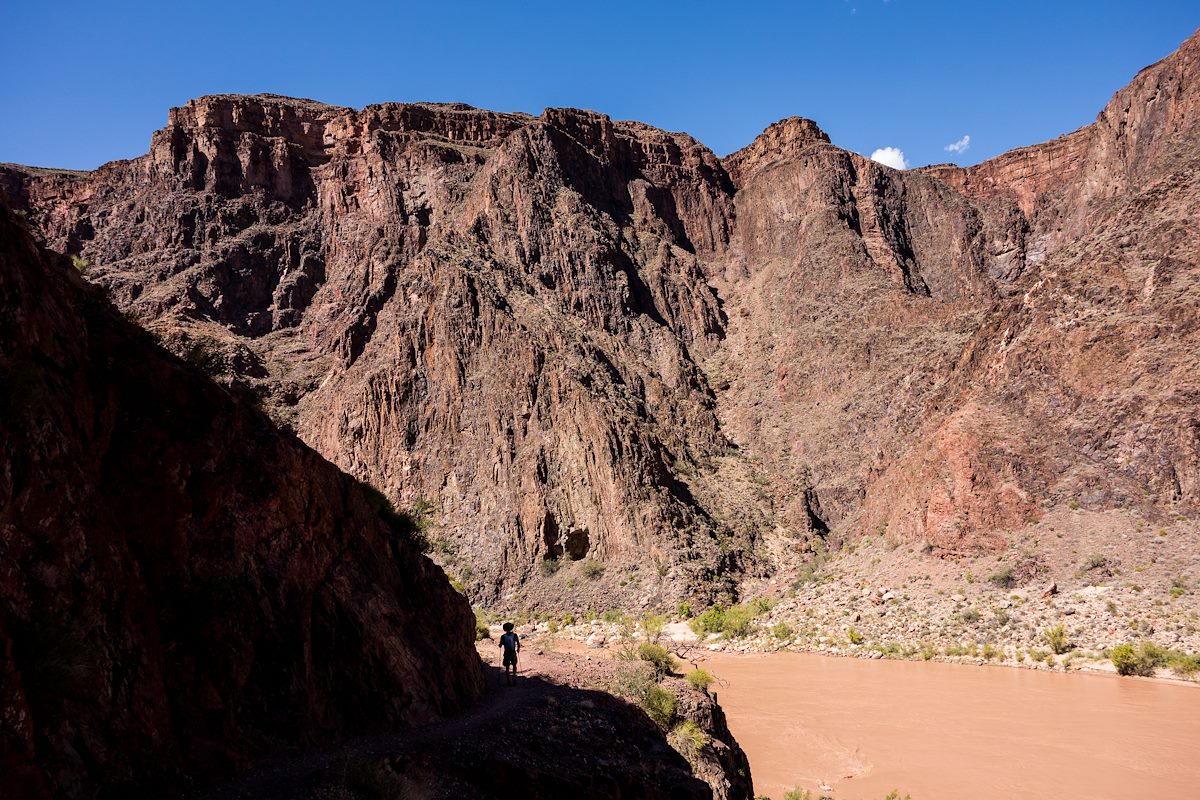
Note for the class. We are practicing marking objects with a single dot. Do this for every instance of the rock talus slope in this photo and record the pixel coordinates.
(577, 337)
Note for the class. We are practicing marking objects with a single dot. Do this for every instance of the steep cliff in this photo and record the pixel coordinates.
(577, 338)
(183, 588)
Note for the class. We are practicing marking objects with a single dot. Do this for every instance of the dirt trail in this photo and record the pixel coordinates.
(537, 739)
(297, 775)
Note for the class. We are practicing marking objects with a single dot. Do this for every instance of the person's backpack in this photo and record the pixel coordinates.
(509, 640)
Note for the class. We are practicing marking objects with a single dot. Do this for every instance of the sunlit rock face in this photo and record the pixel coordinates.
(573, 338)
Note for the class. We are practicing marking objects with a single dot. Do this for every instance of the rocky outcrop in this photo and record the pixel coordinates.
(578, 338)
(184, 588)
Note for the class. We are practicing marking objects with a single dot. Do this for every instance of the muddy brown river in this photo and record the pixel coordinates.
(948, 731)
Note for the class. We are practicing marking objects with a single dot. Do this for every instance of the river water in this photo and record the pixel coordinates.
(950, 731)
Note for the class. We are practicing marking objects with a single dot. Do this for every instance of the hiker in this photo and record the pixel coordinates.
(510, 643)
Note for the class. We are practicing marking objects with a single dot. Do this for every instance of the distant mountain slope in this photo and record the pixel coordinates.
(575, 337)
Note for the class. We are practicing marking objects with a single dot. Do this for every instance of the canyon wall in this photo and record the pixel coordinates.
(572, 339)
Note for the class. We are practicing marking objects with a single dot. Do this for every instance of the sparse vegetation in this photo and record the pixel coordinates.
(700, 678)
(659, 704)
(689, 738)
(1004, 579)
(591, 569)
(652, 626)
(403, 526)
(1056, 637)
(782, 631)
(854, 636)
(733, 622)
(549, 566)
(1130, 660)
(657, 657)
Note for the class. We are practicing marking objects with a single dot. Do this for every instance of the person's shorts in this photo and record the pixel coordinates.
(510, 659)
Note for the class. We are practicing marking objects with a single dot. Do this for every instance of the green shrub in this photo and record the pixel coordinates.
(550, 566)
(1184, 663)
(592, 569)
(970, 616)
(797, 794)
(1004, 579)
(928, 651)
(1130, 661)
(700, 678)
(684, 610)
(1094, 562)
(690, 739)
(854, 636)
(989, 652)
(659, 704)
(739, 620)
(657, 657)
(652, 626)
(482, 631)
(1056, 637)
(782, 631)
(711, 621)
(633, 682)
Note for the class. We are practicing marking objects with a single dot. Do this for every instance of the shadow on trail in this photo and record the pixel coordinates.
(535, 739)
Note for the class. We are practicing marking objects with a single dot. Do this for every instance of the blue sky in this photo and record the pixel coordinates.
(86, 83)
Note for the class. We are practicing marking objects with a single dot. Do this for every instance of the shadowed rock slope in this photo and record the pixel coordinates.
(576, 337)
(183, 588)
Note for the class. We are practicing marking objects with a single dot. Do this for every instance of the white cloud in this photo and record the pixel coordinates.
(890, 156)
(961, 146)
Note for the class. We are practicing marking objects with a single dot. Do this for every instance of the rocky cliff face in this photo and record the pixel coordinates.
(571, 336)
(184, 588)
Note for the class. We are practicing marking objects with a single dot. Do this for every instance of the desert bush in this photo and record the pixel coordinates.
(854, 636)
(633, 681)
(700, 678)
(739, 620)
(592, 569)
(549, 566)
(711, 621)
(970, 616)
(657, 657)
(1130, 660)
(1184, 663)
(797, 794)
(689, 738)
(652, 626)
(1004, 579)
(782, 631)
(1056, 637)
(659, 704)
